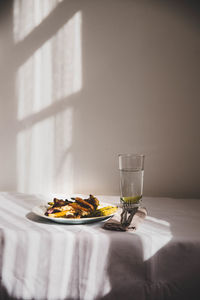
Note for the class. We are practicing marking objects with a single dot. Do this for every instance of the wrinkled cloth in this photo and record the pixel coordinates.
(40, 259)
(115, 224)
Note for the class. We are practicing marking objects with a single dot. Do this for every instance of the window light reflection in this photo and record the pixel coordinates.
(154, 234)
(35, 150)
(45, 161)
(53, 72)
(63, 171)
(28, 14)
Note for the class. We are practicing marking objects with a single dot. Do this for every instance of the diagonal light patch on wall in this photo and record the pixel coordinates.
(63, 149)
(28, 14)
(41, 148)
(45, 82)
(35, 153)
(53, 72)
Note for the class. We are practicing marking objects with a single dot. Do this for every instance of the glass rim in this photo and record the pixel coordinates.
(131, 154)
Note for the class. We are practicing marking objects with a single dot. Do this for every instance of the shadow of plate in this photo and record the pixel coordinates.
(34, 218)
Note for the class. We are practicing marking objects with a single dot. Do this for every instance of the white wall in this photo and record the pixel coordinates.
(82, 81)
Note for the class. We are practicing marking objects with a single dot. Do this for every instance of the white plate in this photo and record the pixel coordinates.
(41, 209)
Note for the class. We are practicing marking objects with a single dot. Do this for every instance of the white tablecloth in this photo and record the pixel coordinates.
(40, 259)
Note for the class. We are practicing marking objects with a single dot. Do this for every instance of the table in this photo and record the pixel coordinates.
(41, 259)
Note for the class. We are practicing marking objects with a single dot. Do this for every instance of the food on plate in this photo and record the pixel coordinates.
(105, 211)
(77, 208)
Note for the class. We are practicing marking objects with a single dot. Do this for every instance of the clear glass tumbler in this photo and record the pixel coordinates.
(131, 167)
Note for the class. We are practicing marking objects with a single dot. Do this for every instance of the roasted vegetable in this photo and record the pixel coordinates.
(78, 208)
(58, 214)
(105, 211)
(85, 204)
(94, 201)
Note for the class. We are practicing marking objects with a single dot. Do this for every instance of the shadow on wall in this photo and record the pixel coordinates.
(85, 81)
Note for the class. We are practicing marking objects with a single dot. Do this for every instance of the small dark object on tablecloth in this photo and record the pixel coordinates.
(136, 217)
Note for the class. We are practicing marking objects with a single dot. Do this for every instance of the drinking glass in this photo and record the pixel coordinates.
(131, 167)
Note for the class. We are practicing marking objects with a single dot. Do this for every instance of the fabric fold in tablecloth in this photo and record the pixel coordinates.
(40, 259)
